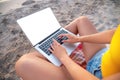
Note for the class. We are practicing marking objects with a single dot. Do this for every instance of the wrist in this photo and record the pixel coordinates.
(63, 58)
(77, 39)
(80, 39)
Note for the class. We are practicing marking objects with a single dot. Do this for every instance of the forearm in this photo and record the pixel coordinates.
(101, 37)
(77, 72)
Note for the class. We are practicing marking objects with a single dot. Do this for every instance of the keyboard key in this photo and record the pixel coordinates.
(47, 43)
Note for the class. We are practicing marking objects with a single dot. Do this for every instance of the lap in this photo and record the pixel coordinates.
(35, 62)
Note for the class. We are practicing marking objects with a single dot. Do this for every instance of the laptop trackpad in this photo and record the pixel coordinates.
(70, 47)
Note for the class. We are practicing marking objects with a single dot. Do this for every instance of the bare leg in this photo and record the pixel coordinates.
(83, 26)
(33, 66)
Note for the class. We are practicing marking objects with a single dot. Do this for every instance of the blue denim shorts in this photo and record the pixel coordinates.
(94, 64)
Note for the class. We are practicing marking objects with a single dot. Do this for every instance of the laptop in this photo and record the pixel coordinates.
(40, 28)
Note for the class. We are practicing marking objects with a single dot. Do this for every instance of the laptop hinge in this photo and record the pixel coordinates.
(47, 37)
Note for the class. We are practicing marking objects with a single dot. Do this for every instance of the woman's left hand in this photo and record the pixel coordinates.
(58, 50)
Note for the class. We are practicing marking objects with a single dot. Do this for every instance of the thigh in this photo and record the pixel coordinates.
(83, 26)
(34, 67)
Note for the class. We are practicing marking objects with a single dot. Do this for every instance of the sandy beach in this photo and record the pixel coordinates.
(105, 14)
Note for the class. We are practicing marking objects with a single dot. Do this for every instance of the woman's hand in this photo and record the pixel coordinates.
(71, 38)
(58, 50)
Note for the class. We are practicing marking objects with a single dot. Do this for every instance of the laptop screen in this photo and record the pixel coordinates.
(39, 25)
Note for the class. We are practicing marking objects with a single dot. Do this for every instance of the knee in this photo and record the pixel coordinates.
(22, 64)
(82, 18)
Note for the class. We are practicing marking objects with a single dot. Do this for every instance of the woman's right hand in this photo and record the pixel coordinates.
(71, 38)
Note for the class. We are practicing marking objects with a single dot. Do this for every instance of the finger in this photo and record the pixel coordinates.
(55, 42)
(51, 50)
(60, 36)
(51, 47)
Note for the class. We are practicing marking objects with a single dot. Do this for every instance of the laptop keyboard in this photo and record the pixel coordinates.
(46, 44)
